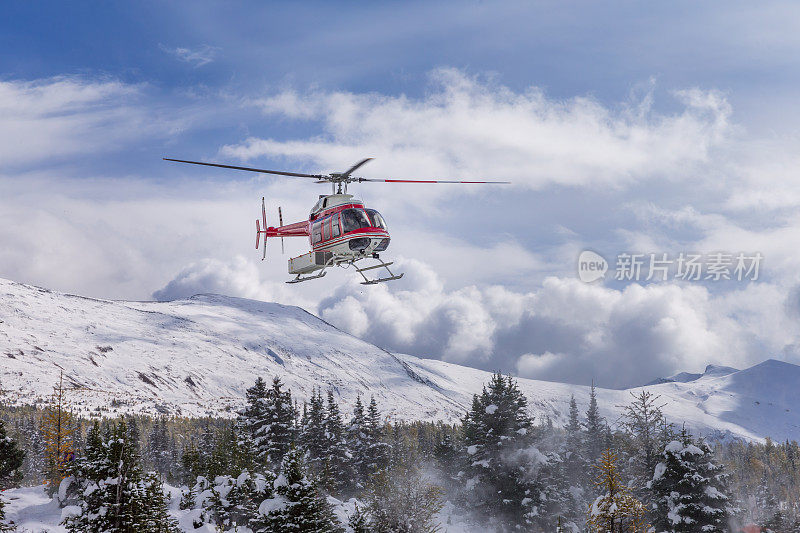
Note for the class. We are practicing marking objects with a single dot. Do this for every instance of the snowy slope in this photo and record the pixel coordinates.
(197, 356)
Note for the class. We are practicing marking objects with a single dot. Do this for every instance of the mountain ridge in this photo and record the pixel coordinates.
(196, 357)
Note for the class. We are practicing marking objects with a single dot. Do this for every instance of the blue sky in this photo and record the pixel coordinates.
(635, 127)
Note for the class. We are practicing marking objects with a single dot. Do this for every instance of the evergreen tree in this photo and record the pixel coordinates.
(615, 510)
(358, 521)
(377, 450)
(689, 489)
(594, 445)
(191, 466)
(497, 438)
(11, 459)
(252, 422)
(312, 434)
(339, 474)
(297, 506)
(4, 526)
(115, 494)
(574, 462)
(159, 451)
(357, 444)
(279, 431)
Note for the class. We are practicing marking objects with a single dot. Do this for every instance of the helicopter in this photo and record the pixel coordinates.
(341, 229)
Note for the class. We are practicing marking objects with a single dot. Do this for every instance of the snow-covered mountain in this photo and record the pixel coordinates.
(197, 356)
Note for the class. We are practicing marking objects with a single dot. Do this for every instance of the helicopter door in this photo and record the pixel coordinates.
(326, 226)
(335, 225)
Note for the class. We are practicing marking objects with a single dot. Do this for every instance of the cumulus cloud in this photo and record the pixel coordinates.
(566, 330)
(237, 277)
(197, 57)
(473, 128)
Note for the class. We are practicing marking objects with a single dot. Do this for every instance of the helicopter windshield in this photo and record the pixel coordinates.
(376, 219)
(353, 219)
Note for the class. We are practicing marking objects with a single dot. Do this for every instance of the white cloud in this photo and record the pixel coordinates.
(566, 330)
(469, 128)
(237, 277)
(197, 57)
(68, 116)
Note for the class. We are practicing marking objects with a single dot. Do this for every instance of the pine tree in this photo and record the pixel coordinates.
(252, 421)
(377, 450)
(279, 431)
(116, 497)
(298, 506)
(496, 431)
(59, 429)
(158, 448)
(594, 429)
(615, 510)
(11, 459)
(357, 444)
(689, 489)
(312, 434)
(574, 462)
(337, 459)
(358, 521)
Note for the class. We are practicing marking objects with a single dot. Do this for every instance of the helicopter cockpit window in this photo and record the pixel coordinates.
(353, 219)
(376, 220)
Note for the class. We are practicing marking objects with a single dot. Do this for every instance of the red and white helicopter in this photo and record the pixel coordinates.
(342, 230)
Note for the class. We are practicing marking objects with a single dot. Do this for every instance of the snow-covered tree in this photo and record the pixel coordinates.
(114, 494)
(312, 433)
(497, 439)
(297, 505)
(595, 434)
(11, 458)
(337, 460)
(357, 444)
(377, 450)
(689, 489)
(252, 421)
(401, 500)
(616, 510)
(279, 432)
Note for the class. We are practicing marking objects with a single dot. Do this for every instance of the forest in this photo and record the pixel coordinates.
(281, 465)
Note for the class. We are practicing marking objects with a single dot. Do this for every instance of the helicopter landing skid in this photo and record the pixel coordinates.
(368, 281)
(298, 279)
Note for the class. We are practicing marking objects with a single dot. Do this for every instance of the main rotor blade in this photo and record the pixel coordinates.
(355, 167)
(433, 181)
(261, 170)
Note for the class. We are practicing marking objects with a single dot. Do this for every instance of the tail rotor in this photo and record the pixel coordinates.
(280, 223)
(259, 231)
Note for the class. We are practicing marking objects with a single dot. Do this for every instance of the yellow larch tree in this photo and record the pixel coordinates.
(615, 510)
(58, 428)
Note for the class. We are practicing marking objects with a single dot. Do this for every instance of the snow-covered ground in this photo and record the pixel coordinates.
(197, 356)
(34, 512)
